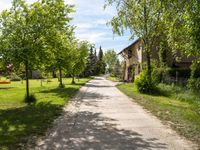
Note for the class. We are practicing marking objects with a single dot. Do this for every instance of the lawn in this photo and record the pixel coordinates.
(19, 121)
(173, 105)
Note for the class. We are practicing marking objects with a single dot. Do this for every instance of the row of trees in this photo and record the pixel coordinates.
(95, 64)
(169, 25)
(104, 63)
(39, 36)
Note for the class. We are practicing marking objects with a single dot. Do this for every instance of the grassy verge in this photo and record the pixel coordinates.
(19, 121)
(114, 79)
(174, 105)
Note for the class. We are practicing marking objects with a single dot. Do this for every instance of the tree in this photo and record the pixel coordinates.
(91, 69)
(61, 47)
(142, 19)
(60, 35)
(111, 59)
(21, 37)
(101, 66)
(25, 29)
(182, 20)
(80, 55)
(117, 69)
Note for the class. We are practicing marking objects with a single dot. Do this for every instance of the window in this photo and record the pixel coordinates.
(129, 53)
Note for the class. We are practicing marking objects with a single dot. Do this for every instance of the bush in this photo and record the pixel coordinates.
(144, 85)
(195, 67)
(30, 99)
(14, 77)
(194, 81)
(194, 84)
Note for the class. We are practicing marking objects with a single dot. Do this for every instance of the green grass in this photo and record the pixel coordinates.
(114, 79)
(174, 105)
(19, 121)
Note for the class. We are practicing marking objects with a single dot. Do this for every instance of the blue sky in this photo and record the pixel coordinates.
(90, 19)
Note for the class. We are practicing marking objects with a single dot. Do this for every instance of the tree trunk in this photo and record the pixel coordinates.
(73, 80)
(60, 73)
(27, 79)
(53, 74)
(148, 64)
(146, 42)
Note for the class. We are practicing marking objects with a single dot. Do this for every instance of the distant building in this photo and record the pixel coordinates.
(134, 56)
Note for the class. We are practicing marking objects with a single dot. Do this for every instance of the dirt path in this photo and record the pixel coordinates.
(101, 117)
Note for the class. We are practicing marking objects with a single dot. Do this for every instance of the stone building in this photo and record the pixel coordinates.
(134, 56)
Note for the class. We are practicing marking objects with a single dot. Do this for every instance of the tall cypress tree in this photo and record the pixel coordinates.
(91, 65)
(100, 56)
(101, 64)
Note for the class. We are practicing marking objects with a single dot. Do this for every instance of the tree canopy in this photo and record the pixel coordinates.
(111, 59)
(37, 35)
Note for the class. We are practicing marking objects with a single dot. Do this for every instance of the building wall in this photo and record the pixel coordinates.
(138, 57)
(134, 61)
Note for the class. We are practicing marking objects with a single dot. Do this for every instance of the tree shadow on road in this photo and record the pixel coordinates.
(93, 131)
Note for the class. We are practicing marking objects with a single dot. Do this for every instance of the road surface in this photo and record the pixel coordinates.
(101, 117)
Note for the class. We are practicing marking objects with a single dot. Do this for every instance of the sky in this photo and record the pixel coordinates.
(90, 20)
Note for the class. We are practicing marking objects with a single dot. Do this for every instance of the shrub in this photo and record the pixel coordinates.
(194, 81)
(162, 73)
(194, 84)
(144, 85)
(30, 99)
(195, 67)
(14, 77)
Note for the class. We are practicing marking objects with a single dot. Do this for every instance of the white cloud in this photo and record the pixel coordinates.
(84, 26)
(102, 21)
(5, 4)
(69, 1)
(92, 37)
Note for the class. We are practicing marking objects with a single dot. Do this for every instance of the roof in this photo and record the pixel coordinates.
(129, 46)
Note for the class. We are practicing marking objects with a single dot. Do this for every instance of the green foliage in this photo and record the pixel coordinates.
(194, 81)
(164, 48)
(111, 60)
(36, 35)
(194, 84)
(192, 18)
(31, 99)
(144, 85)
(79, 59)
(143, 19)
(118, 70)
(182, 19)
(101, 66)
(91, 65)
(195, 69)
(95, 64)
